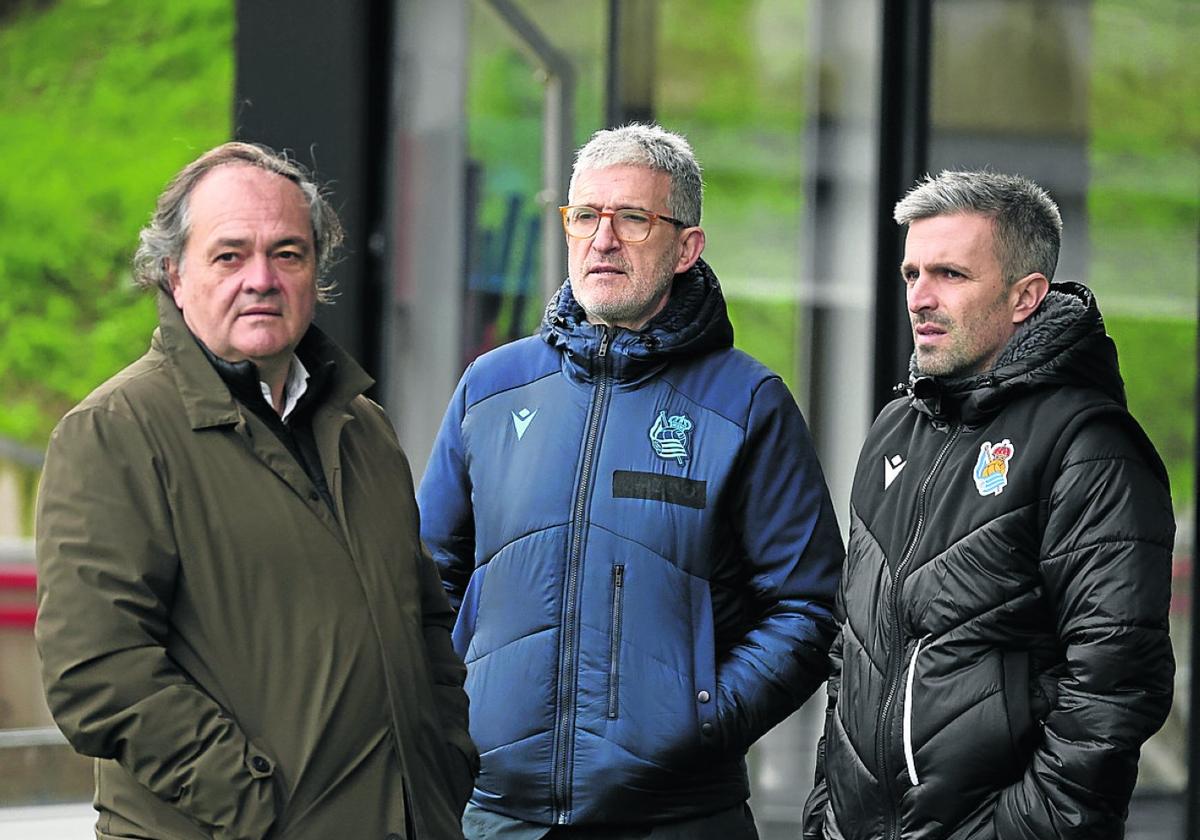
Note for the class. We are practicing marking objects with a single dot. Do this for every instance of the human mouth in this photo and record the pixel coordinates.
(928, 332)
(605, 268)
(265, 311)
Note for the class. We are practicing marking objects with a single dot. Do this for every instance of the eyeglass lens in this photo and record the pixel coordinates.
(628, 225)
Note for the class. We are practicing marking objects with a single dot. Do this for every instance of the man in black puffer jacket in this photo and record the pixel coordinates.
(1003, 649)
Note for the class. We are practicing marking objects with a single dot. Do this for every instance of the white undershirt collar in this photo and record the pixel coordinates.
(293, 389)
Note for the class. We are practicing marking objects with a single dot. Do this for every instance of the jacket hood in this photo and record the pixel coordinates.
(1064, 343)
(694, 322)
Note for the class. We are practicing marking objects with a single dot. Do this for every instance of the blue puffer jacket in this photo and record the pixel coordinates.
(639, 540)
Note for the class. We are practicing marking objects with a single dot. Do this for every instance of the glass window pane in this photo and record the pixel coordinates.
(1097, 102)
(507, 101)
(778, 99)
(741, 103)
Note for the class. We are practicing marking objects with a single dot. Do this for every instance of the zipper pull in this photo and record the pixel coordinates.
(608, 332)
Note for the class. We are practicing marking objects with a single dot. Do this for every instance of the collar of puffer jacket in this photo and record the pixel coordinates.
(1063, 343)
(694, 321)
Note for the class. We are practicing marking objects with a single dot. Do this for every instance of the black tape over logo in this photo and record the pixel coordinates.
(655, 487)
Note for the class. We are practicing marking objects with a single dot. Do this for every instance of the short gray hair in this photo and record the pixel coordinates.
(165, 237)
(653, 147)
(1026, 221)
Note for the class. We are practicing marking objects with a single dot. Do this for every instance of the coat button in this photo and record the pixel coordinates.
(260, 764)
(702, 696)
(313, 496)
(706, 729)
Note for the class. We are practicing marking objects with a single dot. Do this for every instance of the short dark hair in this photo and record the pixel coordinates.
(1027, 223)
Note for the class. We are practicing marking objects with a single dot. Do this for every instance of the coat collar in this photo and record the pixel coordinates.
(206, 397)
(693, 322)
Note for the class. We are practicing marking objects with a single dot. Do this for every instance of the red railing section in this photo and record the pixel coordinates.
(18, 583)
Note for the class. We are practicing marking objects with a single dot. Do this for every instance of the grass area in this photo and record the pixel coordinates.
(102, 101)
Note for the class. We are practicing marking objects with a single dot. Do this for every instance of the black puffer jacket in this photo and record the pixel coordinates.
(1003, 650)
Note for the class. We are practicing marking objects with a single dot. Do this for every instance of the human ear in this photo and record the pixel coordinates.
(690, 248)
(174, 280)
(1028, 294)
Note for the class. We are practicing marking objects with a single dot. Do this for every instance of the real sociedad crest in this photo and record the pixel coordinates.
(669, 436)
(991, 470)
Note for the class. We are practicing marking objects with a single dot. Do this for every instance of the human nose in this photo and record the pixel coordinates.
(920, 294)
(605, 238)
(259, 275)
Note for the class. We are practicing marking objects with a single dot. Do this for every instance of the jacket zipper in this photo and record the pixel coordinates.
(570, 626)
(908, 689)
(895, 667)
(614, 653)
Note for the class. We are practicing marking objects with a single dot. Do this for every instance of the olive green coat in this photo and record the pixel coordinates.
(242, 662)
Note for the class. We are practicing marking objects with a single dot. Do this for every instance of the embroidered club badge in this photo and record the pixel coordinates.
(669, 437)
(991, 470)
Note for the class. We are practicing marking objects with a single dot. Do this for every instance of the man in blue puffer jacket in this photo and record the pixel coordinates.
(630, 518)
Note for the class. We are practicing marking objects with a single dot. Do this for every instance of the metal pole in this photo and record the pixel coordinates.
(903, 153)
(632, 61)
(558, 135)
(19, 453)
(42, 736)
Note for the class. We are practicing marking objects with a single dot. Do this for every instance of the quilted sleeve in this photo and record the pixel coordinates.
(813, 827)
(785, 521)
(444, 497)
(1106, 566)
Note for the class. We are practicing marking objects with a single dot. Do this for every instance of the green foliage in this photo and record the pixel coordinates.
(1144, 211)
(741, 103)
(766, 329)
(1158, 361)
(1145, 76)
(1144, 149)
(102, 101)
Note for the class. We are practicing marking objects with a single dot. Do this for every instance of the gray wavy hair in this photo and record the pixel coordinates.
(1026, 221)
(653, 147)
(162, 241)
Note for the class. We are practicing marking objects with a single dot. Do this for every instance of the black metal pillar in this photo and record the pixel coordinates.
(903, 150)
(314, 78)
(631, 66)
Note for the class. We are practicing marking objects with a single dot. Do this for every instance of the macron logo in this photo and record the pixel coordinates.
(891, 469)
(522, 419)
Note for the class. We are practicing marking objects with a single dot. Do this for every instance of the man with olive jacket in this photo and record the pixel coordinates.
(236, 617)
(1003, 651)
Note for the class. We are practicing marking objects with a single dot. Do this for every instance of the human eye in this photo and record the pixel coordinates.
(583, 214)
(290, 253)
(634, 217)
